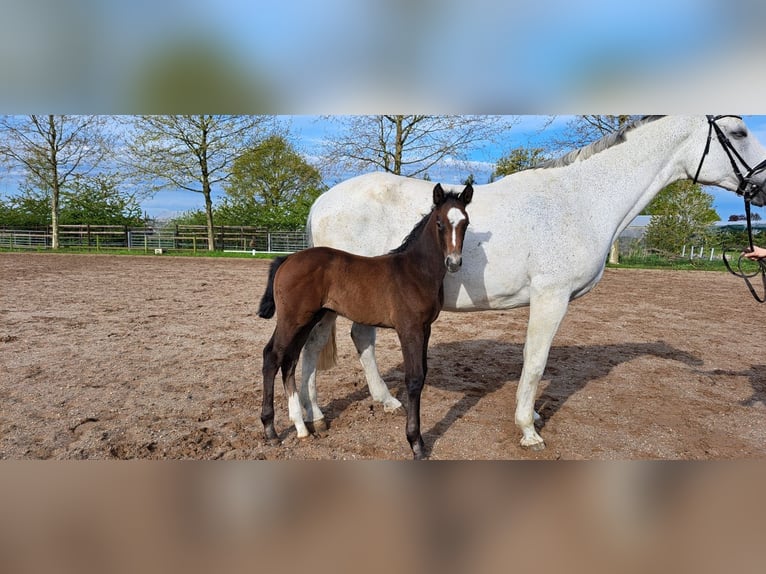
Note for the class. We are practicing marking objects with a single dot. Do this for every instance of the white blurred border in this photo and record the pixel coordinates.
(343, 56)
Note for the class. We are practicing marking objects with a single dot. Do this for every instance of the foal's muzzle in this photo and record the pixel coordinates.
(453, 262)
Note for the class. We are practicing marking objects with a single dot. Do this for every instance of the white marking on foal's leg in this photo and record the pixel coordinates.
(455, 216)
(296, 416)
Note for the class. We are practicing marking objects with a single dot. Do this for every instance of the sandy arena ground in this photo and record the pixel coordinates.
(159, 358)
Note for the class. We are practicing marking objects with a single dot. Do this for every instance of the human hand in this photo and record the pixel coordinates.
(755, 253)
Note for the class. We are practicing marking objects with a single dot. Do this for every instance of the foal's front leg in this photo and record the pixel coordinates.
(414, 349)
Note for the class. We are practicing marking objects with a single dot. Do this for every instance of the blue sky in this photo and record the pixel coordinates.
(307, 133)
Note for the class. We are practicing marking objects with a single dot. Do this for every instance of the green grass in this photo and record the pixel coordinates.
(658, 262)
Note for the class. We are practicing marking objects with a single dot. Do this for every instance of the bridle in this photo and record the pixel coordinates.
(747, 189)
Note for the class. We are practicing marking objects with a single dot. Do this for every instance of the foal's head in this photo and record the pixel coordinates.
(451, 223)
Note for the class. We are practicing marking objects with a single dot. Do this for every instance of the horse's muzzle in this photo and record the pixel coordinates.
(453, 263)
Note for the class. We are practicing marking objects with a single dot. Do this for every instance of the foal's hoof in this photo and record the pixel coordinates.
(273, 441)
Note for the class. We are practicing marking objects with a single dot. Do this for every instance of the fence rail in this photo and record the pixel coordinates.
(176, 237)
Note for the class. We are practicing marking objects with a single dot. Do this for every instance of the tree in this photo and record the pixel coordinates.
(583, 130)
(27, 209)
(407, 145)
(682, 213)
(192, 153)
(98, 199)
(53, 149)
(518, 159)
(271, 183)
(743, 217)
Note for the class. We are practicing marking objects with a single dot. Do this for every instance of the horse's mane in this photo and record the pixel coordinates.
(589, 150)
(421, 225)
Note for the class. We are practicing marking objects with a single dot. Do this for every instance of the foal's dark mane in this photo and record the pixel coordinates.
(421, 225)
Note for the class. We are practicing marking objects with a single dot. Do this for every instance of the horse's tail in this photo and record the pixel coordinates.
(328, 356)
(268, 307)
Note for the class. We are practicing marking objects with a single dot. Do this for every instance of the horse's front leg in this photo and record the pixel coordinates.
(546, 310)
(364, 341)
(414, 343)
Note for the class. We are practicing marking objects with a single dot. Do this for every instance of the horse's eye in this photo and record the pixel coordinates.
(739, 134)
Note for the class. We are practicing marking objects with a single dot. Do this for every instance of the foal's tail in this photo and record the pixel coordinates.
(268, 307)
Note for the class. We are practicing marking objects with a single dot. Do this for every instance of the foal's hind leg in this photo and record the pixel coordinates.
(270, 368)
(364, 341)
(293, 400)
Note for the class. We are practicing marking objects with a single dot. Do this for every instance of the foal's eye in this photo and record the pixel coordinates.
(439, 224)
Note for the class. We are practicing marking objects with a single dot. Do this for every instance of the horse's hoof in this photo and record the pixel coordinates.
(318, 427)
(538, 446)
(398, 410)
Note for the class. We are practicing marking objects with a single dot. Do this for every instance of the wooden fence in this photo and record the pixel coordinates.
(147, 238)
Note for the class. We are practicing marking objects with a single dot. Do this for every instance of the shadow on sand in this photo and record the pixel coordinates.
(569, 369)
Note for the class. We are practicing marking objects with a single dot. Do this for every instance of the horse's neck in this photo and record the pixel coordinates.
(631, 173)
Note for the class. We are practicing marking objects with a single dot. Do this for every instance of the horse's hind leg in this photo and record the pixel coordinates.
(546, 310)
(270, 368)
(308, 390)
(364, 341)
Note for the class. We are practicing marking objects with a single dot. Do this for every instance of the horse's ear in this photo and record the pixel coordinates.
(466, 195)
(438, 194)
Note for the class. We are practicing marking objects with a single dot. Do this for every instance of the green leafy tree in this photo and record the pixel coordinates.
(271, 185)
(682, 213)
(518, 159)
(53, 149)
(191, 153)
(29, 208)
(98, 200)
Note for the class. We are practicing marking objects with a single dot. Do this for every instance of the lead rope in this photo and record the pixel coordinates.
(761, 263)
(745, 189)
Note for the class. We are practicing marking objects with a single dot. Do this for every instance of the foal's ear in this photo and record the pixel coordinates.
(466, 195)
(438, 194)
